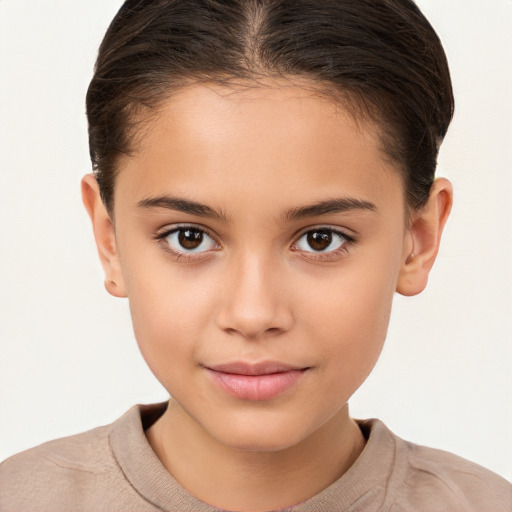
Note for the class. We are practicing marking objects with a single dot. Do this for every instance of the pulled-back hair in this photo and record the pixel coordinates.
(381, 58)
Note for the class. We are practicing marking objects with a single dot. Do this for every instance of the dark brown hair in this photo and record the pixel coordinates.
(382, 56)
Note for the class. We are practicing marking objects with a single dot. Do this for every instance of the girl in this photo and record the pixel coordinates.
(263, 184)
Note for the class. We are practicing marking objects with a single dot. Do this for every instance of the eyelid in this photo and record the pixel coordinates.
(172, 228)
(326, 227)
(324, 256)
(168, 230)
(164, 232)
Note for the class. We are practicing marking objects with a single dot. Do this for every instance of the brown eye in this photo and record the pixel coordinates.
(190, 238)
(321, 240)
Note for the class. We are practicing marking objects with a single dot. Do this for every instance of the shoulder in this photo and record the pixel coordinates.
(49, 475)
(436, 480)
(64, 474)
(86, 451)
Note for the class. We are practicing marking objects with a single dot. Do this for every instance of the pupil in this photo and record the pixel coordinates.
(319, 240)
(190, 239)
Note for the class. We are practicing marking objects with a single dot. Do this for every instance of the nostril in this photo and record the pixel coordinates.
(253, 333)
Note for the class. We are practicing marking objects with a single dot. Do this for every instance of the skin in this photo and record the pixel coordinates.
(258, 291)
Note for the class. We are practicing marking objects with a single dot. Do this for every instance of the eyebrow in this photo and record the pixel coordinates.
(339, 205)
(182, 205)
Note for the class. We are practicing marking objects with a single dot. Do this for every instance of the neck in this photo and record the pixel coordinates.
(254, 481)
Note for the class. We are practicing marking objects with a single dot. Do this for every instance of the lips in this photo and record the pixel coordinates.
(255, 382)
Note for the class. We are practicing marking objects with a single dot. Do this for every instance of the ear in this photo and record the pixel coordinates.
(423, 239)
(104, 234)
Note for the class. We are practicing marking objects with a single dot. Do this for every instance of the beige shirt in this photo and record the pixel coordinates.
(113, 468)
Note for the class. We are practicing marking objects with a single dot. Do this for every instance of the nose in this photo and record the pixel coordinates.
(254, 302)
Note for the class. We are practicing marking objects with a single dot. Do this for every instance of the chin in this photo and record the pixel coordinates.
(263, 435)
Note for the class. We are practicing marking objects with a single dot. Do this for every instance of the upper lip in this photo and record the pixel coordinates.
(263, 368)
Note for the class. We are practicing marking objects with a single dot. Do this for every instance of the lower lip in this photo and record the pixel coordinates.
(257, 387)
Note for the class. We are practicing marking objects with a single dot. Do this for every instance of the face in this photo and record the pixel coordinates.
(260, 234)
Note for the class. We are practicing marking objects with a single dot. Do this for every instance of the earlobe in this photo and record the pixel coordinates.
(423, 239)
(104, 235)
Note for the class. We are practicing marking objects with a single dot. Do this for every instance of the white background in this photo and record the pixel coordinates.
(68, 358)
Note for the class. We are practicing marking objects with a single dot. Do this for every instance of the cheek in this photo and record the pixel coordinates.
(357, 325)
(169, 313)
(349, 317)
(350, 348)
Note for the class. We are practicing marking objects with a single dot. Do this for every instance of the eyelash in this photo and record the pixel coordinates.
(182, 255)
(347, 241)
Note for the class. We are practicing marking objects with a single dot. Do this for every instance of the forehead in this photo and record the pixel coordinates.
(256, 140)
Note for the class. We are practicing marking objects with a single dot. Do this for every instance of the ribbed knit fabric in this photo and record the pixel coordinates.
(113, 468)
